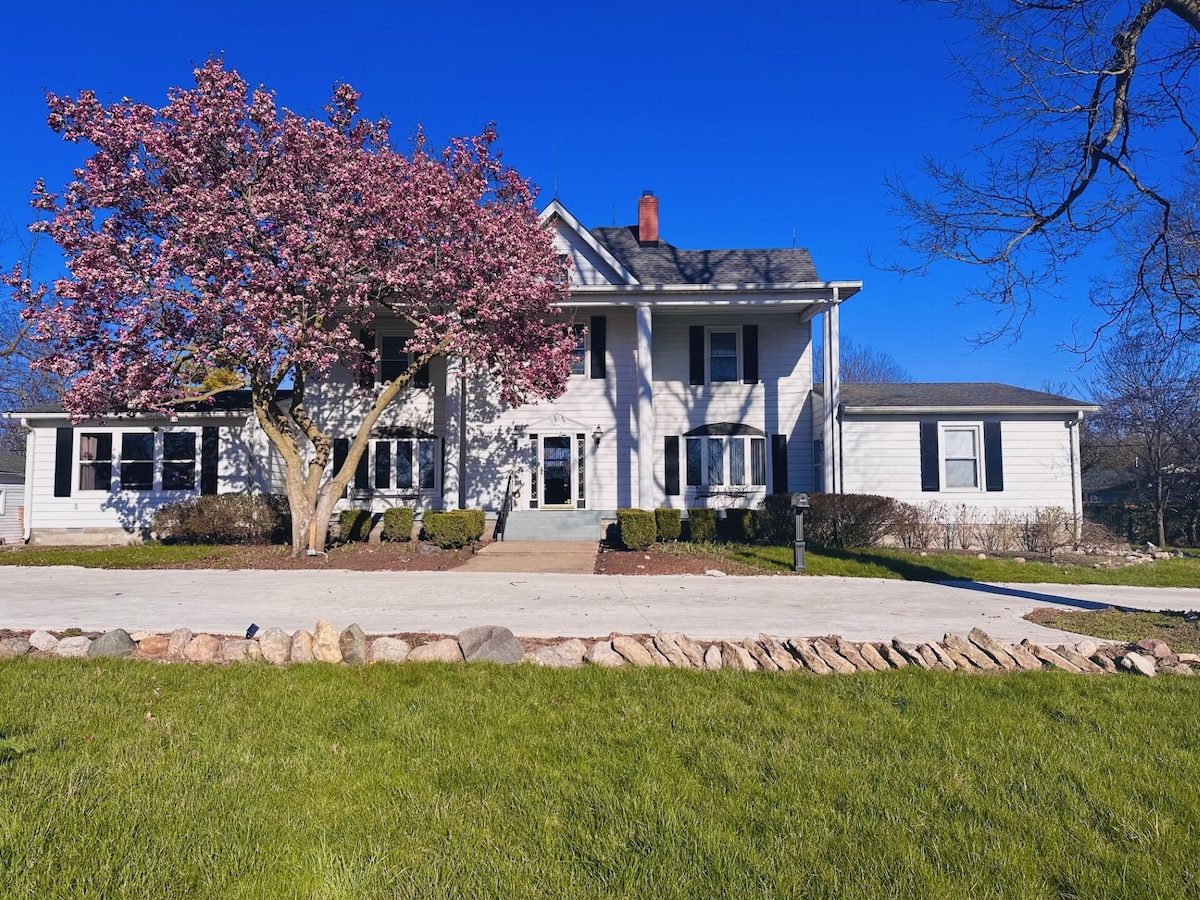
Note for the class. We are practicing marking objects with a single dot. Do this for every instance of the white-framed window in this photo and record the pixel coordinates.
(140, 460)
(961, 457)
(407, 464)
(726, 461)
(3, 501)
(394, 360)
(723, 353)
(579, 354)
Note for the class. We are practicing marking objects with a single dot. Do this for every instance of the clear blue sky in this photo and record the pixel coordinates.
(746, 120)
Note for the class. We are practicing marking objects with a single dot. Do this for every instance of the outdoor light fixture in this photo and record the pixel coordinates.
(597, 434)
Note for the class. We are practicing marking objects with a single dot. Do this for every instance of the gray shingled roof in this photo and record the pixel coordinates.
(663, 263)
(950, 395)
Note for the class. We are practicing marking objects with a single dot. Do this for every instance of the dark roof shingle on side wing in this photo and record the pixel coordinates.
(12, 463)
(951, 395)
(662, 263)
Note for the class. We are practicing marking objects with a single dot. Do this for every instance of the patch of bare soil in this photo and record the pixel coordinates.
(657, 561)
(390, 557)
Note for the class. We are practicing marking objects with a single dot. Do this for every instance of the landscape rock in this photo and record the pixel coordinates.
(276, 646)
(671, 650)
(870, 653)
(830, 657)
(761, 655)
(1138, 664)
(241, 650)
(1104, 662)
(353, 645)
(1087, 648)
(930, 658)
(302, 647)
(1156, 648)
(1048, 656)
(43, 642)
(567, 655)
(692, 650)
(490, 643)
(910, 652)
(736, 657)
(139, 636)
(942, 655)
(153, 646)
(779, 653)
(389, 650)
(712, 657)
(993, 648)
(177, 641)
(445, 650)
(656, 657)
(633, 652)
(12, 647)
(978, 658)
(73, 646)
(116, 644)
(1024, 658)
(603, 655)
(1069, 653)
(850, 653)
(202, 648)
(808, 656)
(894, 657)
(326, 646)
(964, 664)
(1177, 669)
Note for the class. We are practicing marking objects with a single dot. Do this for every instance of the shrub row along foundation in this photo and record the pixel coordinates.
(977, 652)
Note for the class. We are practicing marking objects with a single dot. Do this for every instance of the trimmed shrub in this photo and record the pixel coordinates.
(397, 523)
(220, 519)
(668, 523)
(775, 520)
(354, 525)
(453, 528)
(740, 526)
(702, 524)
(848, 520)
(636, 527)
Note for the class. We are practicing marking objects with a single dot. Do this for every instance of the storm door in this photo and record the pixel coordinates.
(558, 469)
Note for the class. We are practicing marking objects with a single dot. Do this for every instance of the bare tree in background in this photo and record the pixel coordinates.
(1149, 423)
(862, 364)
(1084, 108)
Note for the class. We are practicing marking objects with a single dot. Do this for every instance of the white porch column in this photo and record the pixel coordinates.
(451, 457)
(833, 396)
(645, 408)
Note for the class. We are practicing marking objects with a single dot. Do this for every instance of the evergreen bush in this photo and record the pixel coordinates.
(398, 523)
(668, 523)
(702, 524)
(637, 528)
(354, 525)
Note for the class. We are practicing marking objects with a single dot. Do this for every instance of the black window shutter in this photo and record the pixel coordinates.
(420, 377)
(993, 456)
(671, 465)
(210, 448)
(779, 464)
(750, 354)
(696, 353)
(64, 461)
(366, 375)
(930, 479)
(362, 474)
(599, 338)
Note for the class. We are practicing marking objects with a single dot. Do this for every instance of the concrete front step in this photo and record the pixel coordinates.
(553, 525)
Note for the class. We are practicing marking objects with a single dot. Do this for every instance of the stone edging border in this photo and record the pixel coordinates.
(977, 652)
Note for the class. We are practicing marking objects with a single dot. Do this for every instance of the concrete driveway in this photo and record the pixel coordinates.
(545, 605)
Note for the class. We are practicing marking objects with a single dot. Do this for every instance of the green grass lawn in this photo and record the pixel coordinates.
(133, 556)
(1127, 625)
(909, 566)
(121, 779)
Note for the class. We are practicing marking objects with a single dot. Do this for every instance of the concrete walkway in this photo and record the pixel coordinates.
(545, 605)
(535, 557)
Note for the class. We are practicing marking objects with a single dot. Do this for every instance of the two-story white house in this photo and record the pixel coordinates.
(692, 386)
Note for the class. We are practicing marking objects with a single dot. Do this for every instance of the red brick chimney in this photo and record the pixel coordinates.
(648, 218)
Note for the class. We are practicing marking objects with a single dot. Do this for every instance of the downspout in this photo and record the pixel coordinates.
(30, 445)
(840, 486)
(1076, 479)
(462, 438)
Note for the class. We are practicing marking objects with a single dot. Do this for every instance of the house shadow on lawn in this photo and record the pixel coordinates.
(920, 571)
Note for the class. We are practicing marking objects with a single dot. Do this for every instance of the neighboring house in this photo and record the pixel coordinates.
(986, 445)
(692, 386)
(12, 496)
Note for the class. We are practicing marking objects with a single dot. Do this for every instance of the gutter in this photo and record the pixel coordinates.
(963, 410)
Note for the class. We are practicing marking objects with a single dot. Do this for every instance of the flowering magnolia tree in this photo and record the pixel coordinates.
(219, 244)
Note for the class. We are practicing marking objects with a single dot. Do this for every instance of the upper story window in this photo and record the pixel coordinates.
(723, 354)
(394, 360)
(580, 352)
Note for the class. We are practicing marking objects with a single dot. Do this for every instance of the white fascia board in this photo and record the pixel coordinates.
(557, 209)
(118, 420)
(962, 410)
(824, 289)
